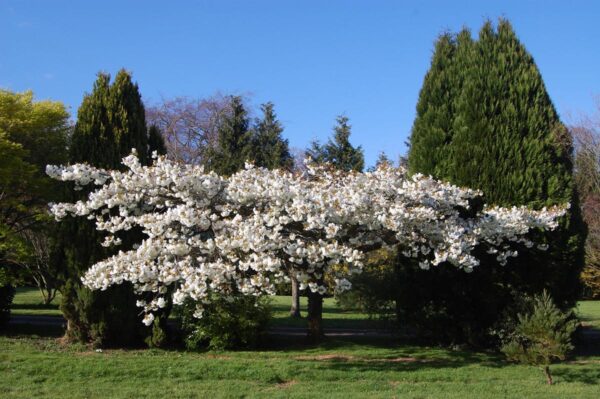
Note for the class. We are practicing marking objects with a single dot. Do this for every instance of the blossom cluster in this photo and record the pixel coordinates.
(207, 234)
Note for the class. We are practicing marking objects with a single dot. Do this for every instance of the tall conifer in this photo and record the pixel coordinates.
(271, 150)
(233, 146)
(433, 126)
(110, 122)
(340, 152)
(485, 120)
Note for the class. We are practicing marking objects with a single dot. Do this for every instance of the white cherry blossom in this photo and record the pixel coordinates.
(208, 234)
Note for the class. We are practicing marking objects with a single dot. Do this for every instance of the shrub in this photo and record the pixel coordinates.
(373, 290)
(158, 337)
(234, 324)
(541, 336)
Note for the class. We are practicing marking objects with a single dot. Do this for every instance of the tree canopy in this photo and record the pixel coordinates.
(485, 120)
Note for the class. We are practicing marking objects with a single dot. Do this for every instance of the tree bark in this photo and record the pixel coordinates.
(295, 309)
(548, 375)
(315, 316)
(397, 277)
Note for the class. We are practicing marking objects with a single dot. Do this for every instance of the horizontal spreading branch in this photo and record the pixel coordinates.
(206, 234)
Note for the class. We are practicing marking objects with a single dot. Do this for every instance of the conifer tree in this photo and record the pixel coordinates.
(433, 126)
(233, 146)
(271, 150)
(484, 120)
(316, 152)
(542, 335)
(382, 159)
(110, 122)
(156, 141)
(339, 152)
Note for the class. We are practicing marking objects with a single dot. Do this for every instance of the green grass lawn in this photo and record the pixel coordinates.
(589, 313)
(333, 316)
(28, 301)
(33, 363)
(41, 367)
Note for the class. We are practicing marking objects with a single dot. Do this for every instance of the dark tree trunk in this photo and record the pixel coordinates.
(397, 267)
(315, 316)
(548, 375)
(295, 309)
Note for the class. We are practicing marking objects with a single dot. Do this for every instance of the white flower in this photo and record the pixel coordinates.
(161, 303)
(148, 319)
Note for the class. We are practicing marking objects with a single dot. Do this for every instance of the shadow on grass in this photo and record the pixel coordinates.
(330, 323)
(284, 307)
(398, 352)
(400, 357)
(586, 374)
(587, 342)
(33, 330)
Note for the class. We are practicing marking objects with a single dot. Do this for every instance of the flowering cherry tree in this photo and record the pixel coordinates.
(206, 234)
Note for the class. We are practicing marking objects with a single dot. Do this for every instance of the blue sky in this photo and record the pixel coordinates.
(313, 59)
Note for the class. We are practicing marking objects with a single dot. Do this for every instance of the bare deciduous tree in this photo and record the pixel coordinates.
(189, 125)
(586, 140)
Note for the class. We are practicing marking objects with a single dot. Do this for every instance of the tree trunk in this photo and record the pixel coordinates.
(397, 269)
(548, 375)
(315, 316)
(295, 309)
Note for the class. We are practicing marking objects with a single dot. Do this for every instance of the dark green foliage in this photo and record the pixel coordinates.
(110, 122)
(542, 335)
(271, 150)
(433, 125)
(234, 141)
(374, 290)
(240, 323)
(484, 120)
(338, 151)
(382, 159)
(158, 337)
(316, 152)
(156, 141)
(7, 293)
(102, 318)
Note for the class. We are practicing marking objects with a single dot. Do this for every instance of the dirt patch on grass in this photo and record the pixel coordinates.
(333, 357)
(584, 362)
(404, 360)
(286, 384)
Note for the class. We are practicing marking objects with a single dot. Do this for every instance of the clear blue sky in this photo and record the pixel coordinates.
(313, 59)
